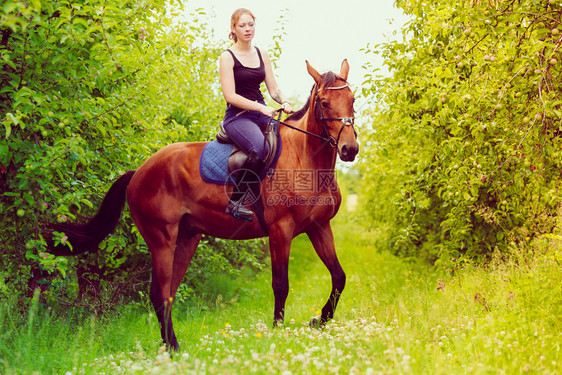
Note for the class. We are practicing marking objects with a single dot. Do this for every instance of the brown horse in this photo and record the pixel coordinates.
(173, 207)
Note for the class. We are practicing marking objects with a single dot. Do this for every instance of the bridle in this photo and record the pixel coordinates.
(325, 136)
(346, 121)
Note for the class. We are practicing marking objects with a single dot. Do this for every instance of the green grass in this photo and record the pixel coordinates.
(395, 316)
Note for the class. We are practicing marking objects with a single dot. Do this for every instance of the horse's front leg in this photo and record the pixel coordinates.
(323, 241)
(280, 248)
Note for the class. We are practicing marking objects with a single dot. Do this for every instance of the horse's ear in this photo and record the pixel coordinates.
(344, 69)
(313, 72)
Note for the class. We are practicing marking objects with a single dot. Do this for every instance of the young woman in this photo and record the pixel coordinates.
(243, 68)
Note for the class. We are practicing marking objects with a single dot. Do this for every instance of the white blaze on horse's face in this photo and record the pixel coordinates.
(335, 111)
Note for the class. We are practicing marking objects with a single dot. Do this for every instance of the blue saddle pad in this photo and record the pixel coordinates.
(213, 165)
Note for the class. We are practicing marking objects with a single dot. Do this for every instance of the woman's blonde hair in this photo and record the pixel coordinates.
(234, 20)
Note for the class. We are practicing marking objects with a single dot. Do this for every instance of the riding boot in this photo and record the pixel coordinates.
(247, 189)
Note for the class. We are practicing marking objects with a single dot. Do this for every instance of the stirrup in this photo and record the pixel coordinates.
(239, 211)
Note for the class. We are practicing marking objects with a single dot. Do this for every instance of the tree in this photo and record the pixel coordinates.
(465, 159)
(90, 89)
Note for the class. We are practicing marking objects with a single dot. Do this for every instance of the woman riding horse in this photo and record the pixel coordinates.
(242, 69)
(173, 207)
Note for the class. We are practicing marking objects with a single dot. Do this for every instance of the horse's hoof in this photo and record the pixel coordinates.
(316, 322)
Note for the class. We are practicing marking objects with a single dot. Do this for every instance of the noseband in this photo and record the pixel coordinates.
(346, 121)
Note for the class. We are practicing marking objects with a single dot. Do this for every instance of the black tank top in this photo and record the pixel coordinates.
(248, 80)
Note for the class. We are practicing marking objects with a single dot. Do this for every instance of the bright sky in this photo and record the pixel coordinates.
(324, 32)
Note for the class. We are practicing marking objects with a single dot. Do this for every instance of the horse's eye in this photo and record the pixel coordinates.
(324, 104)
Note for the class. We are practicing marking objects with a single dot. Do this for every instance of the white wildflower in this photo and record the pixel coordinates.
(300, 357)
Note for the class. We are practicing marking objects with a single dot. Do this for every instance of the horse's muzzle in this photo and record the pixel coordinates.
(348, 151)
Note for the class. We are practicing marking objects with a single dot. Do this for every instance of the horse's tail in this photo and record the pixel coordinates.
(87, 237)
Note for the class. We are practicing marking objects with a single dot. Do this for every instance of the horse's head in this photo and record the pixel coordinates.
(333, 108)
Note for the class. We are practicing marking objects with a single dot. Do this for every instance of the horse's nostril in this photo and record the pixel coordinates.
(344, 150)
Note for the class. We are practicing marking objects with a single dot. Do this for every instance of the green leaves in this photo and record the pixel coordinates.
(470, 120)
(89, 90)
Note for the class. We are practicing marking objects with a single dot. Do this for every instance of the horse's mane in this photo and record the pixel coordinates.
(326, 80)
(300, 113)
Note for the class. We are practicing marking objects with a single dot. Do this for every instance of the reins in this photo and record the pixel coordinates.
(278, 113)
(326, 137)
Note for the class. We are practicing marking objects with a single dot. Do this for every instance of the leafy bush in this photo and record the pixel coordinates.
(465, 155)
(90, 89)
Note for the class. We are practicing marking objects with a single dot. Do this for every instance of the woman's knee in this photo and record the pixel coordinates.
(248, 136)
(262, 149)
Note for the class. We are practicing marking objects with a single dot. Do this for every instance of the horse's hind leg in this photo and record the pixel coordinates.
(162, 243)
(171, 251)
(163, 308)
(186, 244)
(323, 241)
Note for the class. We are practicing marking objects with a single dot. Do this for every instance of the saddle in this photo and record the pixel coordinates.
(238, 156)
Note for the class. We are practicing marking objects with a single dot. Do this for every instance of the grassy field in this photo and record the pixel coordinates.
(394, 317)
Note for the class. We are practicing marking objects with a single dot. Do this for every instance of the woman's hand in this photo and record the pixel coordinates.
(287, 107)
(268, 111)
